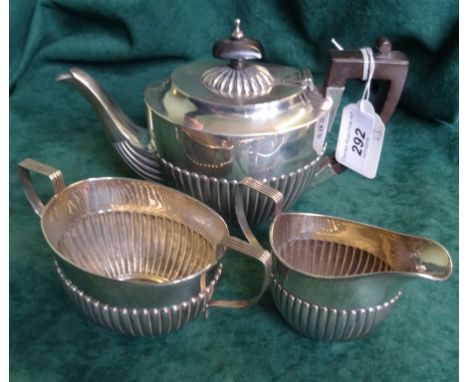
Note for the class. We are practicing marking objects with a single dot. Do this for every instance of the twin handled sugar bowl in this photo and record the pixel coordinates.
(143, 259)
(213, 123)
(134, 256)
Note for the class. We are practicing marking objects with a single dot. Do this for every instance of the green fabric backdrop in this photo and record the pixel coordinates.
(126, 44)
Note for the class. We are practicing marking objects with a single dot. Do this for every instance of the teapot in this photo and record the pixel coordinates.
(213, 123)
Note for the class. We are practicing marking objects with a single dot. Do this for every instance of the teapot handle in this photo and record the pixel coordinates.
(390, 65)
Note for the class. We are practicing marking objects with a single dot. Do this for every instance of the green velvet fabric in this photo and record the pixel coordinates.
(126, 44)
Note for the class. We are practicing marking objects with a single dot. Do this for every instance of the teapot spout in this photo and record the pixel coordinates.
(132, 142)
(118, 126)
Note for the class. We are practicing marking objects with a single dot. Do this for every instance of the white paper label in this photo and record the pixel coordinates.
(320, 133)
(360, 139)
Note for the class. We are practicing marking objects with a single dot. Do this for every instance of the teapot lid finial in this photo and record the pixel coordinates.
(237, 34)
(238, 79)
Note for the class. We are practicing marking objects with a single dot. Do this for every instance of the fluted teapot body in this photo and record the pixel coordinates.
(213, 123)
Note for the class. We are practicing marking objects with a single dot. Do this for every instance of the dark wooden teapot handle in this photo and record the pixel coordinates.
(390, 65)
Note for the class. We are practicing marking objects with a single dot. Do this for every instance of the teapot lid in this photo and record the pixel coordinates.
(237, 97)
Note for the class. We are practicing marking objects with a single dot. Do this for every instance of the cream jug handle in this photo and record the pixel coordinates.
(251, 248)
(54, 175)
(264, 189)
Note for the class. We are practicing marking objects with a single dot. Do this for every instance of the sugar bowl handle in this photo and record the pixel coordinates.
(259, 254)
(251, 248)
(55, 176)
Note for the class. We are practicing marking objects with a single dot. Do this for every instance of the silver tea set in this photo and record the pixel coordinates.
(229, 142)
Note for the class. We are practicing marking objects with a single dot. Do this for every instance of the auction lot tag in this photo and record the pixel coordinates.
(360, 139)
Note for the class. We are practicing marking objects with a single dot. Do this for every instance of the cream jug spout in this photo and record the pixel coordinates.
(118, 126)
(431, 261)
(347, 265)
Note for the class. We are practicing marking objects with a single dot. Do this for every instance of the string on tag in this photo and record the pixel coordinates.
(337, 46)
(367, 71)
